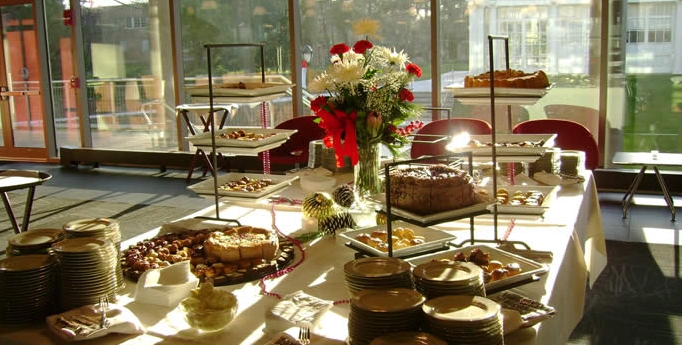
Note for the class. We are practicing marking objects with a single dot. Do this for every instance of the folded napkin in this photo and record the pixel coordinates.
(86, 322)
(296, 309)
(166, 286)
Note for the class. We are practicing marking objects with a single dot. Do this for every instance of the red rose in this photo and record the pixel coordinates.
(361, 46)
(339, 49)
(406, 95)
(318, 103)
(414, 69)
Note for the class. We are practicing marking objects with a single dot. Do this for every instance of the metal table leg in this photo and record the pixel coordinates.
(10, 213)
(627, 198)
(666, 193)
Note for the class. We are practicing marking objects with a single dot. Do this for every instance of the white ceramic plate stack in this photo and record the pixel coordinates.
(87, 271)
(34, 241)
(408, 338)
(439, 278)
(375, 313)
(27, 288)
(377, 273)
(99, 227)
(465, 320)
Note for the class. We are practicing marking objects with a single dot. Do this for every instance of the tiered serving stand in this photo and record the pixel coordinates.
(207, 140)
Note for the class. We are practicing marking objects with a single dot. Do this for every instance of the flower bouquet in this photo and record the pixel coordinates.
(364, 98)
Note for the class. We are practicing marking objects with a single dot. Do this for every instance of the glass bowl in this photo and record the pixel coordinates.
(206, 319)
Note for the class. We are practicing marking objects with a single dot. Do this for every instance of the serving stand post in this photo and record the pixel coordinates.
(266, 156)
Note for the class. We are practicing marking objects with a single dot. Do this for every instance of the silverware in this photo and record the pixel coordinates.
(304, 335)
(104, 307)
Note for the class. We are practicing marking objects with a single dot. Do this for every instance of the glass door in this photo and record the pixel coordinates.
(21, 107)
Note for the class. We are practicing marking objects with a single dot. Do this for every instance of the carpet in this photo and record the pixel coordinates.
(636, 300)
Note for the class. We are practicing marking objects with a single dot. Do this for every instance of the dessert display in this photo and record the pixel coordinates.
(226, 255)
(520, 198)
(509, 78)
(431, 189)
(245, 184)
(241, 134)
(401, 237)
(493, 270)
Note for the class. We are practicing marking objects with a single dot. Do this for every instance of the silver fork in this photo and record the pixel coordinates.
(304, 335)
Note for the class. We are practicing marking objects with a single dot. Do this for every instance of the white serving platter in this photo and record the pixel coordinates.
(276, 135)
(529, 268)
(253, 89)
(278, 182)
(549, 193)
(510, 92)
(433, 239)
(505, 144)
(434, 217)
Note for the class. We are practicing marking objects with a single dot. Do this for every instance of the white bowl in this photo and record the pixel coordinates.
(317, 183)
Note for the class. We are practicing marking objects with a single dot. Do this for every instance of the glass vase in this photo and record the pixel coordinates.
(367, 171)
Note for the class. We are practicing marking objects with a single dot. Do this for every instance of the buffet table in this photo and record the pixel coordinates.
(571, 230)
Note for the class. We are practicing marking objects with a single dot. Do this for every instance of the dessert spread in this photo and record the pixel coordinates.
(245, 184)
(241, 134)
(400, 236)
(520, 198)
(509, 78)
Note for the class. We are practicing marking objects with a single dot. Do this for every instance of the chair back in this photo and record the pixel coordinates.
(423, 144)
(570, 135)
(586, 116)
(307, 131)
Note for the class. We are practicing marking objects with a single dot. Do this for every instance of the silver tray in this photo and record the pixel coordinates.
(252, 89)
(433, 239)
(529, 268)
(278, 182)
(501, 139)
(434, 217)
(548, 191)
(204, 139)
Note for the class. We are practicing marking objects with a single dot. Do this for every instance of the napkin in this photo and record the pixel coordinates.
(296, 309)
(166, 286)
(556, 180)
(86, 322)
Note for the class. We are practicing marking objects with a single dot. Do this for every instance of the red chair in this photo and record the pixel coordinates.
(295, 150)
(423, 144)
(570, 135)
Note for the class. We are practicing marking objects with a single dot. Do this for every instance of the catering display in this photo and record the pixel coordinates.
(222, 255)
(242, 137)
(501, 269)
(506, 144)
(509, 78)
(522, 199)
(240, 89)
(511, 87)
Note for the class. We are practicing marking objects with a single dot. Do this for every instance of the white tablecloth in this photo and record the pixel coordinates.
(571, 229)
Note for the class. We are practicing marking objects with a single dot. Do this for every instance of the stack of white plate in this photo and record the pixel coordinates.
(99, 227)
(440, 278)
(27, 288)
(408, 338)
(87, 271)
(469, 320)
(375, 313)
(377, 273)
(34, 241)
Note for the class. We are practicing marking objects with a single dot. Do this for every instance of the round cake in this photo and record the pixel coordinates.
(241, 243)
(509, 78)
(431, 189)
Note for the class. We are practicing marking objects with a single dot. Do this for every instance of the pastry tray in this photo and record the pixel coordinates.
(428, 219)
(510, 92)
(502, 139)
(204, 139)
(206, 187)
(530, 270)
(252, 89)
(549, 193)
(433, 239)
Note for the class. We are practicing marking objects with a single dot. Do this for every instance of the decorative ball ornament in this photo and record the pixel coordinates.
(343, 195)
(319, 205)
(337, 221)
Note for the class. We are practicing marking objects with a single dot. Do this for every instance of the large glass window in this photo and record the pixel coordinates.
(128, 62)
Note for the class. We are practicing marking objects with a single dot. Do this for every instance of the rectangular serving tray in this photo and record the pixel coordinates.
(530, 269)
(278, 182)
(204, 139)
(434, 217)
(502, 139)
(253, 89)
(433, 239)
(548, 191)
